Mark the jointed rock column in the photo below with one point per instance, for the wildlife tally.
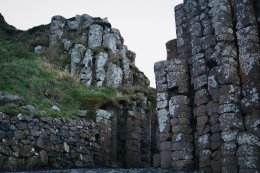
(247, 34)
(220, 41)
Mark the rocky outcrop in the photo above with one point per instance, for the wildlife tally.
(92, 51)
(5, 26)
(208, 89)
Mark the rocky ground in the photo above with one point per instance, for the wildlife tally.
(146, 170)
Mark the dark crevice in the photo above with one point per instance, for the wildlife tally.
(173, 92)
(211, 64)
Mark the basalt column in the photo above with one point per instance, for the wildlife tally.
(160, 69)
(182, 122)
(199, 79)
(219, 42)
(247, 33)
(227, 77)
(180, 114)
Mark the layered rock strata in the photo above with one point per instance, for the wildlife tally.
(208, 89)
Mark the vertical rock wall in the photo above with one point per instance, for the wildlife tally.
(208, 88)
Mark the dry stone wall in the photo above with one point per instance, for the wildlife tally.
(119, 137)
(208, 88)
(29, 142)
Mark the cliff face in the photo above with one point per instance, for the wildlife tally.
(208, 88)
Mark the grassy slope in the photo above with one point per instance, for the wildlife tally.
(24, 73)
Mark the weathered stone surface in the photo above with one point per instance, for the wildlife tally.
(101, 60)
(229, 136)
(74, 23)
(44, 157)
(180, 121)
(110, 41)
(182, 146)
(162, 119)
(181, 137)
(166, 159)
(181, 129)
(165, 146)
(171, 47)
(76, 53)
(204, 141)
(102, 115)
(114, 76)
(248, 139)
(56, 28)
(182, 155)
(219, 40)
(26, 151)
(229, 121)
(182, 164)
(9, 98)
(95, 36)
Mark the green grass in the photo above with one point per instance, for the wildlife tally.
(25, 74)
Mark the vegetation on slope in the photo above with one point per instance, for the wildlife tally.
(25, 74)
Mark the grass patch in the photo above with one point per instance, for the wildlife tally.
(41, 85)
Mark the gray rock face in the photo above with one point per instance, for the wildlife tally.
(114, 76)
(110, 41)
(214, 64)
(9, 98)
(74, 23)
(67, 44)
(86, 72)
(87, 38)
(56, 28)
(76, 53)
(127, 73)
(38, 49)
(95, 36)
(101, 60)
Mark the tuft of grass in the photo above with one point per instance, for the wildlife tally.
(11, 109)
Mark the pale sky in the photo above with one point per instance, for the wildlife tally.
(146, 25)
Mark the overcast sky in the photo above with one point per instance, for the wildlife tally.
(146, 25)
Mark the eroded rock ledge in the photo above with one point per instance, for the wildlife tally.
(208, 88)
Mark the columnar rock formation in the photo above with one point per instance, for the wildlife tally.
(97, 52)
(99, 58)
(208, 88)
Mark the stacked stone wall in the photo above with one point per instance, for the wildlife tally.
(29, 142)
